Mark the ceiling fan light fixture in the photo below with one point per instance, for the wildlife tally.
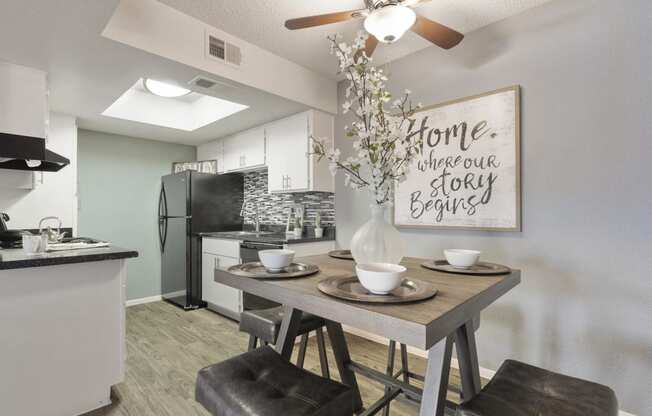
(389, 23)
(163, 89)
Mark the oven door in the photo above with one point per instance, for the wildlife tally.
(249, 253)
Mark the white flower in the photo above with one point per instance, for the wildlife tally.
(376, 131)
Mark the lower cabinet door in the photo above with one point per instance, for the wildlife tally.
(221, 298)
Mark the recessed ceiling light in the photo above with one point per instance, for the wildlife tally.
(163, 89)
(193, 111)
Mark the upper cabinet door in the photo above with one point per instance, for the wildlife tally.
(212, 151)
(245, 150)
(288, 154)
(253, 147)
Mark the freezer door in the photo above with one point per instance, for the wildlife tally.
(216, 201)
(175, 266)
(175, 195)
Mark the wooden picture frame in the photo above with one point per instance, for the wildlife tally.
(399, 214)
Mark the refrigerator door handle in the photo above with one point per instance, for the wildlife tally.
(162, 232)
(162, 203)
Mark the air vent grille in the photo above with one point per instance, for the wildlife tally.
(210, 84)
(223, 51)
(204, 83)
(216, 48)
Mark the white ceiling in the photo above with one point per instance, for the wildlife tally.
(87, 72)
(261, 22)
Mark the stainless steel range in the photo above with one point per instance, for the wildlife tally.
(249, 253)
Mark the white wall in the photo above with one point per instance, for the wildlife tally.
(56, 192)
(584, 306)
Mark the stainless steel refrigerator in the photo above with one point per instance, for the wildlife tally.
(192, 203)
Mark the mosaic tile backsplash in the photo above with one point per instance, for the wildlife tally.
(273, 208)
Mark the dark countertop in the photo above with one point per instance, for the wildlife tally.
(16, 258)
(274, 238)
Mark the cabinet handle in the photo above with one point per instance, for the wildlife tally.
(217, 262)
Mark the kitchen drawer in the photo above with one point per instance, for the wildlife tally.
(220, 298)
(221, 247)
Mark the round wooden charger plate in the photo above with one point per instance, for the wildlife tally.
(256, 270)
(341, 254)
(479, 269)
(349, 288)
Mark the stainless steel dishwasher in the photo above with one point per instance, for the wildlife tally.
(249, 253)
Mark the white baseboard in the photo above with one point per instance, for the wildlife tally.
(149, 299)
(484, 372)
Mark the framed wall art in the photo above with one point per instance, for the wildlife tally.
(468, 173)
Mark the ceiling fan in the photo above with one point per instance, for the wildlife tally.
(386, 21)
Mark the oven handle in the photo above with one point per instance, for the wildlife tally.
(257, 245)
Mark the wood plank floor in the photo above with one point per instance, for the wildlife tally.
(167, 346)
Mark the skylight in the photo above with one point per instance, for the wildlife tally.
(187, 112)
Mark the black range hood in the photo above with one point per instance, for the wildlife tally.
(16, 151)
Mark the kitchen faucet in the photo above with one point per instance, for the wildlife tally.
(256, 214)
(3, 221)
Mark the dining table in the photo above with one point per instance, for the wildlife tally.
(435, 325)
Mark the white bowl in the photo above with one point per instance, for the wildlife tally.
(462, 259)
(380, 278)
(276, 260)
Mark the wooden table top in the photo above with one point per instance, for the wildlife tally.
(460, 298)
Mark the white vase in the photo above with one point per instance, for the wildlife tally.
(377, 241)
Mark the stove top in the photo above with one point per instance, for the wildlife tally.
(9, 244)
(19, 244)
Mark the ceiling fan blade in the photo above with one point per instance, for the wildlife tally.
(369, 47)
(324, 19)
(440, 35)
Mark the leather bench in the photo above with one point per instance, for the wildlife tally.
(519, 389)
(261, 383)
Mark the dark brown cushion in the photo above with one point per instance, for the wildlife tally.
(265, 324)
(261, 383)
(520, 389)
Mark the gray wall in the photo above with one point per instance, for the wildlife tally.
(119, 182)
(584, 306)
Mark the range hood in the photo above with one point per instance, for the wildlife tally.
(28, 153)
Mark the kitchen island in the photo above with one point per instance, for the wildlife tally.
(62, 329)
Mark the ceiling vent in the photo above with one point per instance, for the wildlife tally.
(209, 83)
(219, 49)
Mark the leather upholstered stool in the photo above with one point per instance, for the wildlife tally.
(261, 383)
(520, 389)
(265, 324)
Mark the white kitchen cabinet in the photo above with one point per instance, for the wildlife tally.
(291, 166)
(220, 254)
(245, 150)
(212, 151)
(23, 100)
